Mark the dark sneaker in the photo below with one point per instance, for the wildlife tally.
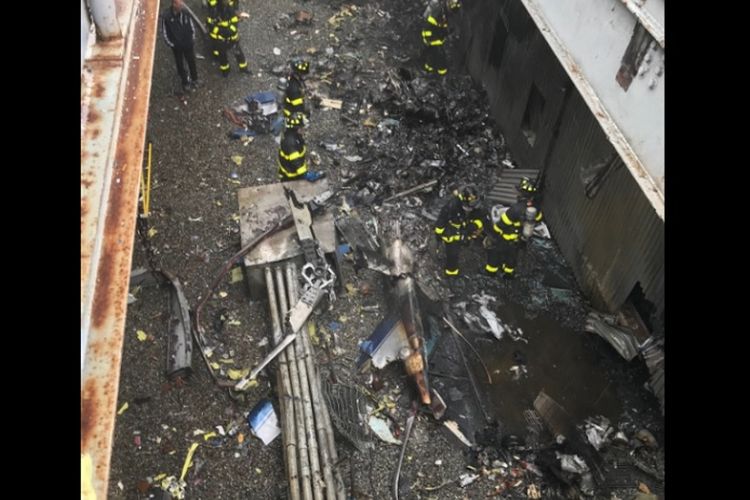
(508, 276)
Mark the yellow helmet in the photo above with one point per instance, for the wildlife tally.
(469, 196)
(301, 66)
(526, 187)
(295, 120)
(454, 4)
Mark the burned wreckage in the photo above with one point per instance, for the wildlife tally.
(290, 237)
(380, 377)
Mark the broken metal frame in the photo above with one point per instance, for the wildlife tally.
(179, 334)
(115, 91)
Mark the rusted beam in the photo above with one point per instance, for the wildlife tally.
(116, 83)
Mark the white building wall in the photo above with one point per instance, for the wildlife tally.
(595, 34)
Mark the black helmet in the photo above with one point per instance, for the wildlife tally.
(526, 187)
(468, 196)
(300, 66)
(295, 120)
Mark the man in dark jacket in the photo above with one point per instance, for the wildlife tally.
(179, 34)
(460, 220)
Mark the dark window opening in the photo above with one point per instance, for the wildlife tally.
(634, 55)
(638, 310)
(532, 117)
(497, 49)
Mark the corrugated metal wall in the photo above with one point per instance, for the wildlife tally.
(613, 240)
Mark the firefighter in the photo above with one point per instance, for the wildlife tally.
(503, 246)
(292, 158)
(461, 219)
(222, 27)
(434, 32)
(294, 97)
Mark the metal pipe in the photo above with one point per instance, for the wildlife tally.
(104, 14)
(334, 483)
(409, 425)
(312, 442)
(284, 389)
(299, 419)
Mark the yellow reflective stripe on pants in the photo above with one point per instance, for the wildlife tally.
(451, 272)
(289, 175)
(491, 269)
(439, 230)
(293, 156)
(294, 102)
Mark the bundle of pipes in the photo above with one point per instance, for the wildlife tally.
(309, 448)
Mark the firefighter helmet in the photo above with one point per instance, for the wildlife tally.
(468, 196)
(295, 120)
(300, 66)
(526, 187)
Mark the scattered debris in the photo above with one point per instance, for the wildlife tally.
(467, 479)
(264, 422)
(598, 431)
(453, 427)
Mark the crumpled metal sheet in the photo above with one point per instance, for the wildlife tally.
(619, 337)
(653, 354)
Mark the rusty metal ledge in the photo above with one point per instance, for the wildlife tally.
(115, 88)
